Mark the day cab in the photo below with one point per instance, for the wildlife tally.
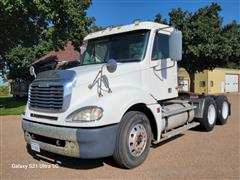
(121, 98)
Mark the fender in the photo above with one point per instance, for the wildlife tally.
(116, 104)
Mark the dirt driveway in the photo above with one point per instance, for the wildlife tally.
(192, 155)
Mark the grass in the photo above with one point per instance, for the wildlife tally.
(11, 106)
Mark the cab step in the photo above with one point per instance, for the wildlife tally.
(177, 131)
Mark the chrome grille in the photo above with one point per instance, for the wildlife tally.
(46, 97)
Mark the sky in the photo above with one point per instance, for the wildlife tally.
(2, 82)
(120, 12)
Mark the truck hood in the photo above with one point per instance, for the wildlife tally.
(87, 73)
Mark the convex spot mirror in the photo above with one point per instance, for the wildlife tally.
(111, 65)
(175, 45)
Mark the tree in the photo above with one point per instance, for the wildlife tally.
(17, 25)
(15, 63)
(159, 19)
(94, 27)
(204, 46)
(231, 32)
(19, 59)
(23, 23)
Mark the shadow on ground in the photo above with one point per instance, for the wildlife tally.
(77, 163)
(69, 162)
(200, 129)
(166, 141)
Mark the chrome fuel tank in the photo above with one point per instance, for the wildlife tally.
(176, 119)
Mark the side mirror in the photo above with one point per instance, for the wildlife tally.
(32, 71)
(175, 45)
(111, 65)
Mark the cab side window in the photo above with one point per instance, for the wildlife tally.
(160, 47)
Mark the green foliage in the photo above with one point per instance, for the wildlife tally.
(231, 32)
(159, 19)
(4, 90)
(68, 18)
(31, 28)
(95, 28)
(19, 59)
(17, 25)
(22, 22)
(11, 106)
(231, 65)
(206, 44)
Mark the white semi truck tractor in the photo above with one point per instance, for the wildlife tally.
(120, 100)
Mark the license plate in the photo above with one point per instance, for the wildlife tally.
(35, 147)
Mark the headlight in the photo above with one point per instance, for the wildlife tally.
(86, 114)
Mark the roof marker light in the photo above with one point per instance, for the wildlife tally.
(109, 28)
(136, 22)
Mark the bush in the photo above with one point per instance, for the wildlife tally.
(4, 90)
(11, 106)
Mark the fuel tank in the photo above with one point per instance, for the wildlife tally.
(175, 119)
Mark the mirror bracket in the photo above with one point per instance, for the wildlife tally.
(111, 66)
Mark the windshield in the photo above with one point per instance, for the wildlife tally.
(124, 47)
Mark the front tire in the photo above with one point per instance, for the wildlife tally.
(133, 140)
(208, 121)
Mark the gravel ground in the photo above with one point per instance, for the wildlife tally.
(191, 155)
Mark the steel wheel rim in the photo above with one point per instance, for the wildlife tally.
(225, 110)
(137, 140)
(211, 114)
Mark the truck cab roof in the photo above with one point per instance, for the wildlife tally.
(137, 25)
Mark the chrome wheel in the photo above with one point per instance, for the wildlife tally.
(211, 114)
(137, 140)
(225, 110)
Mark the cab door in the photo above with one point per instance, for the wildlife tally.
(162, 72)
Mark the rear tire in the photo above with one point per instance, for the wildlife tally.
(208, 121)
(133, 140)
(223, 109)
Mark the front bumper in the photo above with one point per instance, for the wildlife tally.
(74, 142)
